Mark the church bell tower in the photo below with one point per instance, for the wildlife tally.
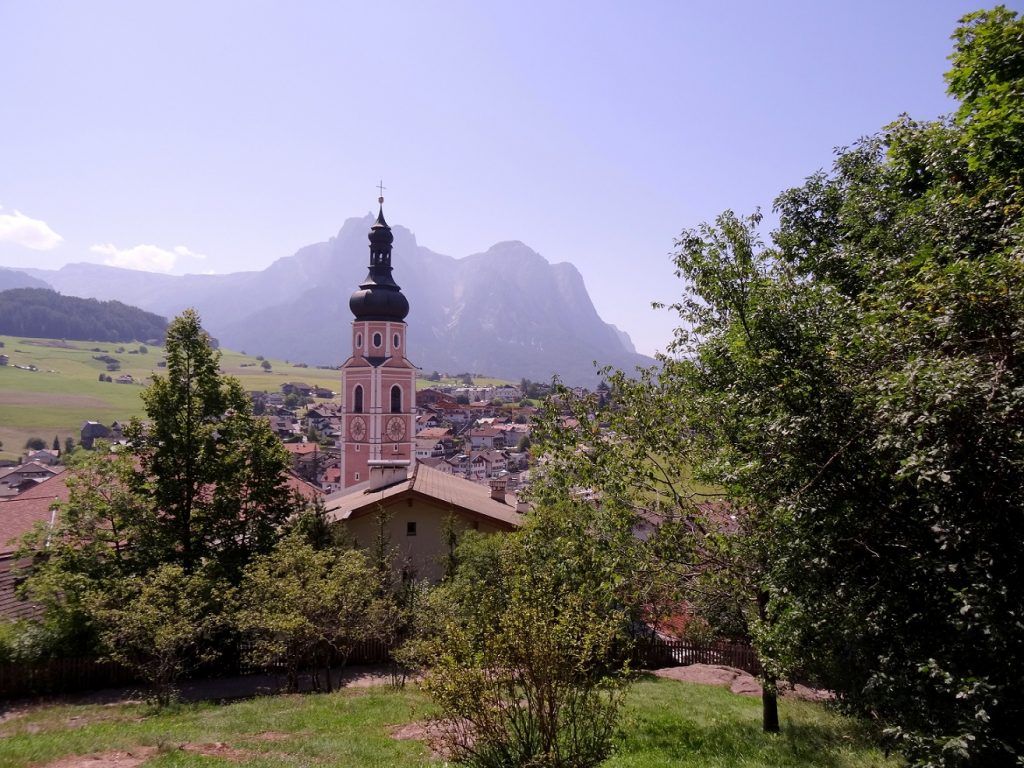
(378, 382)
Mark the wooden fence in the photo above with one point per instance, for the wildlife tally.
(72, 675)
(61, 676)
(658, 652)
(53, 676)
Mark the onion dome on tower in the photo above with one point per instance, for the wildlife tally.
(379, 297)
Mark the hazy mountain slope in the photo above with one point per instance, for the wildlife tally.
(13, 278)
(506, 312)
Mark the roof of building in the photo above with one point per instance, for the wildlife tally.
(425, 482)
(490, 456)
(435, 432)
(302, 487)
(304, 448)
(30, 467)
(19, 515)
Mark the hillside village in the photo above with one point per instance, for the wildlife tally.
(479, 433)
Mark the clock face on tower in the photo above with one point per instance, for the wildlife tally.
(357, 429)
(395, 428)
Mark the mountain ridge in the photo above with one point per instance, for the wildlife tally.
(506, 311)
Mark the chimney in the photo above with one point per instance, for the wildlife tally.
(498, 485)
(387, 473)
(522, 506)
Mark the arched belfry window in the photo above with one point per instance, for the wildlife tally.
(357, 399)
(396, 399)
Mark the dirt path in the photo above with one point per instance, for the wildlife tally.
(736, 680)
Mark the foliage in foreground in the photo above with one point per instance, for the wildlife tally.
(524, 664)
(159, 624)
(856, 387)
(300, 606)
(170, 520)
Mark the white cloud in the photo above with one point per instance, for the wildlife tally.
(148, 258)
(181, 250)
(32, 233)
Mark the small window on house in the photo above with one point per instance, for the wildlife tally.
(396, 449)
(359, 340)
(357, 474)
(397, 341)
(396, 399)
(410, 528)
(357, 447)
(377, 339)
(357, 400)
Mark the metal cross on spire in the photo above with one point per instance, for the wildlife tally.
(381, 187)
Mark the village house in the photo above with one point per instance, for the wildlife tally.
(441, 464)
(427, 448)
(36, 506)
(442, 435)
(418, 502)
(323, 418)
(92, 431)
(507, 393)
(486, 438)
(434, 396)
(284, 427)
(47, 456)
(426, 418)
(297, 388)
(487, 464)
(457, 415)
(14, 481)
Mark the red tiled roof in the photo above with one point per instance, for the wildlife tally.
(305, 489)
(19, 515)
(303, 448)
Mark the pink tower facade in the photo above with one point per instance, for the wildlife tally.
(378, 382)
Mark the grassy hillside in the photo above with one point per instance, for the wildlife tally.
(65, 390)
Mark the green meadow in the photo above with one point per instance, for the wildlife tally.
(65, 390)
(665, 723)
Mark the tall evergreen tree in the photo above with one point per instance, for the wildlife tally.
(213, 470)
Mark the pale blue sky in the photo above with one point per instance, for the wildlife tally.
(592, 131)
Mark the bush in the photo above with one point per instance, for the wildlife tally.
(155, 624)
(524, 666)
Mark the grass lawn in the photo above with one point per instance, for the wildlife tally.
(666, 723)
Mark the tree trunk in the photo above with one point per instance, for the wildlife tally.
(769, 707)
(769, 685)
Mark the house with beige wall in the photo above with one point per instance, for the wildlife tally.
(418, 501)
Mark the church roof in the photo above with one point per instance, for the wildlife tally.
(455, 492)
